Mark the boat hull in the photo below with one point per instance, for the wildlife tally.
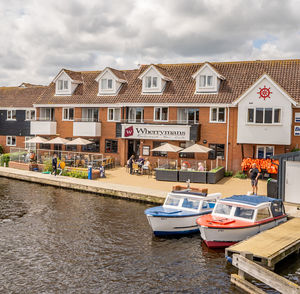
(216, 237)
(162, 226)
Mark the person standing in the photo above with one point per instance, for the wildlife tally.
(130, 163)
(54, 164)
(254, 174)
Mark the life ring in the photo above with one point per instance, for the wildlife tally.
(187, 164)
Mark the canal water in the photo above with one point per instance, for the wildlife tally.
(61, 241)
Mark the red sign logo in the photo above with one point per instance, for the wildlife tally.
(128, 131)
(264, 92)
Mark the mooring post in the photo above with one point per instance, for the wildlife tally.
(249, 256)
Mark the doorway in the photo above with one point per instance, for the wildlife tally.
(292, 185)
(133, 148)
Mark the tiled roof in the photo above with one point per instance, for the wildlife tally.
(20, 96)
(74, 75)
(118, 73)
(239, 77)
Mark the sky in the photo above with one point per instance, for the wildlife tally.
(39, 37)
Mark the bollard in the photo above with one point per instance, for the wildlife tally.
(90, 172)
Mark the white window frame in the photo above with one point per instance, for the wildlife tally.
(29, 146)
(217, 121)
(134, 112)
(206, 86)
(160, 116)
(62, 85)
(104, 84)
(9, 138)
(113, 109)
(265, 148)
(186, 113)
(68, 111)
(9, 117)
(263, 123)
(28, 117)
(151, 82)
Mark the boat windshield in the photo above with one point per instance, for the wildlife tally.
(222, 208)
(172, 201)
(191, 203)
(244, 212)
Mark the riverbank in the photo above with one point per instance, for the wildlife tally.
(121, 184)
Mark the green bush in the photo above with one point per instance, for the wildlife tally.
(216, 169)
(5, 158)
(228, 173)
(75, 174)
(1, 149)
(240, 175)
(48, 166)
(295, 149)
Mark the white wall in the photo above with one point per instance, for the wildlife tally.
(70, 90)
(43, 127)
(115, 85)
(86, 129)
(160, 84)
(208, 72)
(264, 134)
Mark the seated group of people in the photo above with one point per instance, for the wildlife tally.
(185, 166)
(143, 164)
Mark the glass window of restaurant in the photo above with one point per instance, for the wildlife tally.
(217, 150)
(111, 146)
(158, 153)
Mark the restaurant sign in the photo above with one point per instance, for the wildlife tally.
(297, 131)
(156, 132)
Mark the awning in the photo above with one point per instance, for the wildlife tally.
(196, 148)
(38, 140)
(79, 141)
(58, 140)
(167, 148)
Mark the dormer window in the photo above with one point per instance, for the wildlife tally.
(106, 84)
(205, 81)
(62, 85)
(151, 82)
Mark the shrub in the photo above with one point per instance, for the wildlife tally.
(48, 166)
(295, 149)
(1, 149)
(228, 173)
(5, 158)
(240, 175)
(216, 169)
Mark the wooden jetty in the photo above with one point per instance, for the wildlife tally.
(271, 246)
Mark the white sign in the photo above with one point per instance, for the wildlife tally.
(297, 131)
(297, 117)
(156, 132)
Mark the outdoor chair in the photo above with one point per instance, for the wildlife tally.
(135, 168)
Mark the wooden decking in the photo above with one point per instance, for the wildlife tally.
(271, 246)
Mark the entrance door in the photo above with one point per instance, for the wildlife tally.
(292, 183)
(133, 148)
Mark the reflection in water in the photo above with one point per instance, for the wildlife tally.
(61, 241)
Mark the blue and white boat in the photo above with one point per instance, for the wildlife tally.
(179, 212)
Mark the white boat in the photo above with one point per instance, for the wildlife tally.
(239, 217)
(179, 212)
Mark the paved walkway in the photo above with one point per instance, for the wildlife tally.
(103, 188)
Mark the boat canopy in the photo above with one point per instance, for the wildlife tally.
(250, 200)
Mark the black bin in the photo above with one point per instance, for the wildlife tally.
(272, 188)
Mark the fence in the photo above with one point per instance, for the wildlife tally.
(71, 158)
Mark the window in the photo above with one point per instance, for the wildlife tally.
(244, 212)
(223, 208)
(95, 147)
(68, 113)
(114, 114)
(30, 115)
(217, 114)
(185, 155)
(191, 203)
(263, 213)
(47, 114)
(217, 150)
(172, 201)
(10, 140)
(135, 114)
(158, 153)
(111, 146)
(205, 81)
(29, 146)
(11, 114)
(150, 82)
(264, 115)
(62, 85)
(188, 115)
(161, 113)
(265, 151)
(106, 84)
(90, 114)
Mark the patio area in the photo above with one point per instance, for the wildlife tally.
(227, 186)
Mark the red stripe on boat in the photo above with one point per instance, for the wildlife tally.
(216, 244)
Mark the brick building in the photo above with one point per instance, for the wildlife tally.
(239, 109)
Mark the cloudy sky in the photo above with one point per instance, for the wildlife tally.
(38, 38)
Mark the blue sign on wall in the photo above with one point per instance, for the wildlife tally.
(297, 117)
(297, 131)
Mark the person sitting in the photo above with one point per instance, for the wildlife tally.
(146, 165)
(184, 166)
(200, 166)
(140, 161)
